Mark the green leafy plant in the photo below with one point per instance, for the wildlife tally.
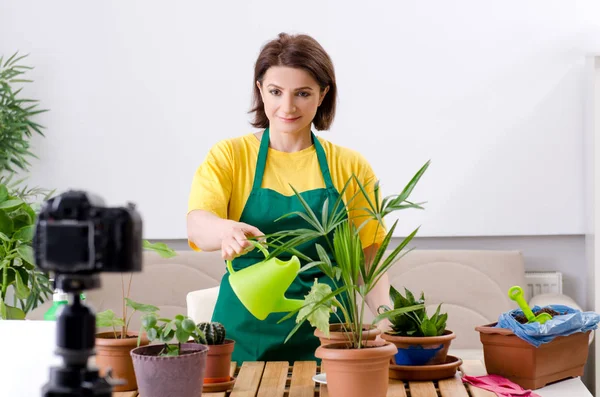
(31, 287)
(415, 323)
(108, 318)
(165, 330)
(353, 275)
(16, 113)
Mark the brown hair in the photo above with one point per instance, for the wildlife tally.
(302, 52)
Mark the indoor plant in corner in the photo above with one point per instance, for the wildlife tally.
(113, 347)
(353, 277)
(170, 369)
(19, 276)
(420, 339)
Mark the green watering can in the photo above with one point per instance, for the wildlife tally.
(261, 287)
(516, 293)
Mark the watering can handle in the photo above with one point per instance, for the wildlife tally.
(256, 245)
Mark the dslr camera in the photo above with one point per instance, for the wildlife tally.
(76, 238)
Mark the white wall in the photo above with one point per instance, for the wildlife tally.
(492, 93)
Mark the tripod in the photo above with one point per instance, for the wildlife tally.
(75, 340)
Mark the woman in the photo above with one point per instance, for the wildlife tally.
(243, 186)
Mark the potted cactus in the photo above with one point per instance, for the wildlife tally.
(218, 360)
(420, 339)
(170, 369)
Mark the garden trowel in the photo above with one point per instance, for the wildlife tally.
(516, 293)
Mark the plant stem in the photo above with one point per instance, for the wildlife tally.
(123, 329)
(128, 292)
(128, 320)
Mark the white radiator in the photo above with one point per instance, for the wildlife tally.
(542, 283)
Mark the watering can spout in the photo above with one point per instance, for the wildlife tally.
(289, 305)
(261, 287)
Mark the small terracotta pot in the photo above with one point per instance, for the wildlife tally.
(114, 353)
(421, 350)
(180, 376)
(338, 335)
(218, 362)
(531, 367)
(357, 372)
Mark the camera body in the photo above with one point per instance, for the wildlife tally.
(76, 234)
(76, 238)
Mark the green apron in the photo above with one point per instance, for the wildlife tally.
(258, 340)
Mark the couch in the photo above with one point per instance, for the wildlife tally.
(471, 284)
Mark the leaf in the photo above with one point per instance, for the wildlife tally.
(152, 334)
(108, 318)
(319, 317)
(10, 205)
(140, 307)
(396, 312)
(3, 193)
(6, 223)
(13, 313)
(409, 296)
(441, 323)
(161, 249)
(413, 182)
(182, 335)
(25, 234)
(428, 328)
(25, 252)
(395, 297)
(21, 220)
(434, 318)
(172, 351)
(188, 325)
(21, 290)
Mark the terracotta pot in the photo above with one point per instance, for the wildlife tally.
(218, 362)
(114, 353)
(421, 350)
(338, 335)
(180, 376)
(357, 372)
(531, 367)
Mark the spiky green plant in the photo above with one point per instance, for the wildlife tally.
(16, 116)
(352, 275)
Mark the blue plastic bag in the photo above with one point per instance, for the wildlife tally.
(565, 324)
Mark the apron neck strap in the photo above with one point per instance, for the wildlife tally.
(262, 161)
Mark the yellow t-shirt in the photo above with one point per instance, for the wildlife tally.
(223, 182)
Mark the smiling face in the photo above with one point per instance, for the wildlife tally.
(291, 97)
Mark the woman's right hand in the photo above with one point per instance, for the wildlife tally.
(234, 240)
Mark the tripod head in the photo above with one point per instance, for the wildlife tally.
(76, 238)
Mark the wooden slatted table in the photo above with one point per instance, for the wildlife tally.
(278, 379)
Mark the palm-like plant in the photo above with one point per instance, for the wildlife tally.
(353, 275)
(16, 124)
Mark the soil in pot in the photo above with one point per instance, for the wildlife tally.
(357, 372)
(218, 362)
(522, 319)
(426, 350)
(160, 376)
(114, 353)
